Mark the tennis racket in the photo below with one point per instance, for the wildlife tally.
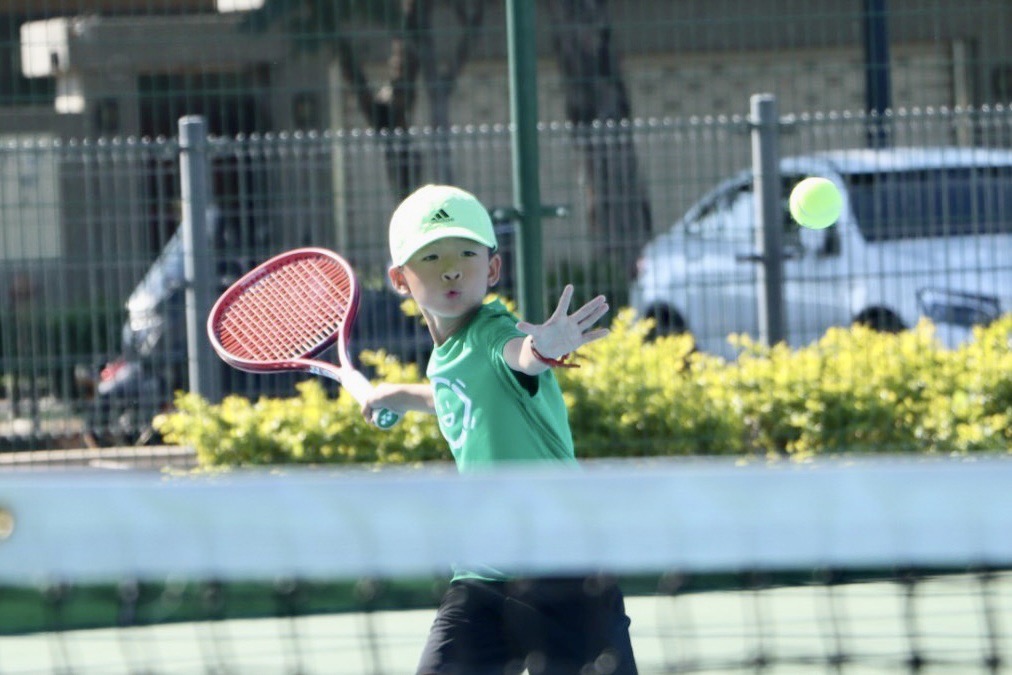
(288, 310)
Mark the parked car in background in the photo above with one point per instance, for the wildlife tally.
(924, 232)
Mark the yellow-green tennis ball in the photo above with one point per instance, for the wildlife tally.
(816, 203)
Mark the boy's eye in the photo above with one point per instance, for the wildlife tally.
(468, 254)
(429, 258)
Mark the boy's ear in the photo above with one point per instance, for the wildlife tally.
(494, 269)
(397, 280)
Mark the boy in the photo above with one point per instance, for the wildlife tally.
(497, 402)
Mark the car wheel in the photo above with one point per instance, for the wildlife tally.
(667, 321)
(880, 319)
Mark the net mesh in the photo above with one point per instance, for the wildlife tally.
(881, 566)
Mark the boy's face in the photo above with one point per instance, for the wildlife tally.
(449, 277)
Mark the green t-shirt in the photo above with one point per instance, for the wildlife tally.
(489, 414)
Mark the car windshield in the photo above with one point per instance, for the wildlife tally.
(924, 203)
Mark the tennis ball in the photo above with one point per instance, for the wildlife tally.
(816, 203)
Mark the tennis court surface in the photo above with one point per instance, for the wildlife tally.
(838, 566)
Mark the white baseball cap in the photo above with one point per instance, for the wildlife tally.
(435, 212)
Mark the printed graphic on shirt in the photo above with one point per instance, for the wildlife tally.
(453, 408)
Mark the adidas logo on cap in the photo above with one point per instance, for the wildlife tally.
(440, 216)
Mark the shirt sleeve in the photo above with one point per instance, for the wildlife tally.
(497, 331)
(497, 328)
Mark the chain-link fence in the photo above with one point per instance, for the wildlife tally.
(322, 114)
(93, 332)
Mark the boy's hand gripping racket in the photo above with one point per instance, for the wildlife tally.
(288, 310)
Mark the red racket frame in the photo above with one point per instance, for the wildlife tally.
(314, 276)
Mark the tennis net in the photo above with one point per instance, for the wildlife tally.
(845, 566)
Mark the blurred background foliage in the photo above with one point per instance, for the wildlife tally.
(855, 390)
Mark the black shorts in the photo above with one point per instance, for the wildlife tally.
(549, 626)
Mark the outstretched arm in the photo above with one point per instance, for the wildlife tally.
(561, 334)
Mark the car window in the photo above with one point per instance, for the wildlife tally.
(739, 223)
(739, 217)
(728, 218)
(703, 216)
(792, 231)
(943, 202)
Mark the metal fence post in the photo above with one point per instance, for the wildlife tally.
(198, 260)
(877, 72)
(520, 24)
(765, 125)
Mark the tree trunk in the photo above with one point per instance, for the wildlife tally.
(388, 109)
(597, 103)
(441, 82)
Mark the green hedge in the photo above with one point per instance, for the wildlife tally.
(854, 390)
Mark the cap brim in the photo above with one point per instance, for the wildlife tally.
(443, 233)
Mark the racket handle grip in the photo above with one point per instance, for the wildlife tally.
(384, 418)
(360, 388)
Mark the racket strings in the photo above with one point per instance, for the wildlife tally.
(289, 312)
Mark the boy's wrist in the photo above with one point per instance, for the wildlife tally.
(552, 362)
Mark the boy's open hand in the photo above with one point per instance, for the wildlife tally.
(563, 333)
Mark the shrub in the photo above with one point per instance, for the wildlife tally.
(632, 396)
(854, 390)
(311, 428)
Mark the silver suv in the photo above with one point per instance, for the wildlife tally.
(924, 232)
